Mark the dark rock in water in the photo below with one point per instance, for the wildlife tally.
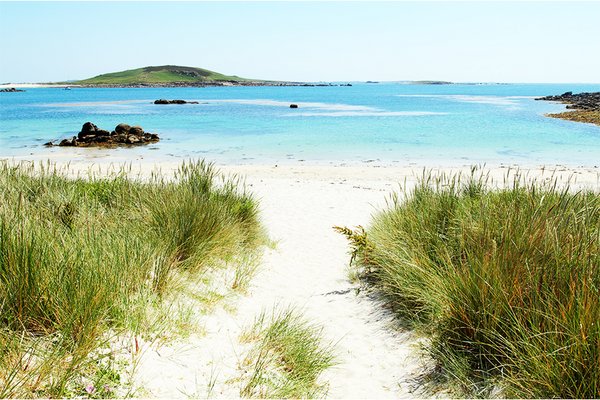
(11, 90)
(165, 101)
(49, 144)
(136, 130)
(69, 142)
(293, 105)
(123, 134)
(122, 128)
(88, 127)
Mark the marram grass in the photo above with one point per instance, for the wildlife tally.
(506, 281)
(287, 358)
(80, 258)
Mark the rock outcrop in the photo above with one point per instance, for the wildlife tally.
(164, 101)
(585, 107)
(580, 101)
(123, 135)
(11, 90)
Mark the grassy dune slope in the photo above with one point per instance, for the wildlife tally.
(507, 282)
(160, 74)
(83, 260)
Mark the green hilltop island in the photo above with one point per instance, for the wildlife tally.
(178, 76)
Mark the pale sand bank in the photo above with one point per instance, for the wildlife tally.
(308, 269)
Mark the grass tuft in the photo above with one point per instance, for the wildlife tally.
(288, 358)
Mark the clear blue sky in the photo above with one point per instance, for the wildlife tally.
(335, 41)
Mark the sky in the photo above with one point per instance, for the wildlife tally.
(306, 41)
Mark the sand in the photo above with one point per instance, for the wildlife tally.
(308, 269)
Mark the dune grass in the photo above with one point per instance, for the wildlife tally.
(84, 259)
(506, 281)
(287, 358)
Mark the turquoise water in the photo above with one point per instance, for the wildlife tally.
(365, 123)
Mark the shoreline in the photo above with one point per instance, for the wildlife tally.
(389, 175)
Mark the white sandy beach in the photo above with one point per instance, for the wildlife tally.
(308, 269)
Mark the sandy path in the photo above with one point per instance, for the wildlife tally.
(308, 270)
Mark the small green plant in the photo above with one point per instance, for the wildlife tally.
(506, 281)
(288, 357)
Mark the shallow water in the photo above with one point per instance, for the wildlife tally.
(365, 123)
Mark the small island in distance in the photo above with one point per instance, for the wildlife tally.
(179, 76)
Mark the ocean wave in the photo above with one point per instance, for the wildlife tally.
(309, 105)
(97, 103)
(479, 99)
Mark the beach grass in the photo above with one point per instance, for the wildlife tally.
(287, 358)
(504, 277)
(84, 259)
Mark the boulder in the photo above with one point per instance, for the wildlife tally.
(122, 128)
(69, 142)
(136, 130)
(88, 127)
(293, 105)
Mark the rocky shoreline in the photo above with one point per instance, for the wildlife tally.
(585, 107)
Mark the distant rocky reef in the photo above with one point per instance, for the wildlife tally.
(165, 101)
(11, 90)
(122, 135)
(585, 107)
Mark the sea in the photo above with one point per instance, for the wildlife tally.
(366, 123)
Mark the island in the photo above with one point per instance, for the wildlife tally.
(585, 107)
(178, 76)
